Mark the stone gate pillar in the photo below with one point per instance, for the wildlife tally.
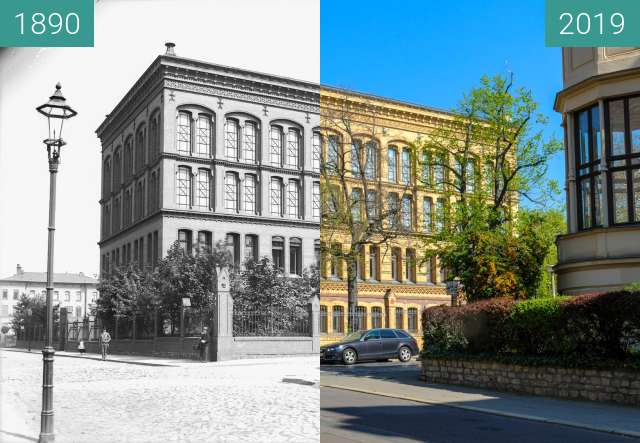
(221, 346)
(314, 315)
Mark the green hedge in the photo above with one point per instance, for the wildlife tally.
(604, 326)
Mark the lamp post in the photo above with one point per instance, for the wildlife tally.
(57, 111)
(452, 289)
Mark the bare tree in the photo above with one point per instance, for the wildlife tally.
(354, 209)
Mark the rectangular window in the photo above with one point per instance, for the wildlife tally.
(249, 153)
(250, 247)
(412, 319)
(231, 191)
(376, 317)
(588, 147)
(360, 322)
(204, 240)
(231, 139)
(356, 158)
(277, 252)
(392, 164)
(315, 154)
(293, 199)
(374, 259)
(425, 173)
(204, 136)
(183, 187)
(67, 296)
(78, 296)
(324, 324)
(276, 197)
(371, 161)
(203, 196)
(276, 146)
(16, 294)
(440, 214)
(56, 295)
(438, 174)
(427, 219)
(399, 318)
(338, 319)
(396, 264)
(428, 270)
(183, 139)
(406, 166)
(410, 266)
(371, 205)
(356, 204)
(295, 256)
(293, 148)
(250, 194)
(315, 201)
(393, 213)
(406, 213)
(184, 240)
(333, 160)
(233, 246)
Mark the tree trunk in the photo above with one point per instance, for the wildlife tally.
(352, 293)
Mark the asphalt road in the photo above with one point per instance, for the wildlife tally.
(348, 416)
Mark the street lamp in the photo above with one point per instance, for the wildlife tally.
(57, 111)
(452, 289)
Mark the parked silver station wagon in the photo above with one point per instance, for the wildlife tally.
(374, 344)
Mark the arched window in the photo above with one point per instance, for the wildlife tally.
(183, 187)
(276, 196)
(203, 193)
(154, 137)
(128, 158)
(356, 204)
(151, 198)
(316, 149)
(396, 264)
(410, 269)
(204, 135)
(183, 133)
(356, 157)
(106, 178)
(333, 158)
(140, 149)
(249, 193)
(231, 191)
(231, 139)
(117, 168)
(406, 166)
(407, 213)
(116, 215)
(249, 145)
(128, 201)
(275, 135)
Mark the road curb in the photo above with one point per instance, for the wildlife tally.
(57, 354)
(489, 411)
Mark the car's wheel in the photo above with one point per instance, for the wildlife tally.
(404, 354)
(349, 356)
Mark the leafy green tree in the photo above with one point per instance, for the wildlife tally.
(492, 156)
(38, 307)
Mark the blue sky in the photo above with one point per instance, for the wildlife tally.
(430, 52)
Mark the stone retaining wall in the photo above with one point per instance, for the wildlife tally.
(576, 384)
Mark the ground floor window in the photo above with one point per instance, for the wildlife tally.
(338, 319)
(376, 317)
(412, 319)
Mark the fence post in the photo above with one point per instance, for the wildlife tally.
(314, 315)
(155, 329)
(221, 347)
(133, 325)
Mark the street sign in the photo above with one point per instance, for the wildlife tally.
(186, 302)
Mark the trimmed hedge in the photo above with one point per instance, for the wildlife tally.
(603, 326)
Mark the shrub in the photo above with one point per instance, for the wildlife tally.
(591, 326)
(532, 327)
(442, 328)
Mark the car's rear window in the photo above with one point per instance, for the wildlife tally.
(387, 333)
(401, 334)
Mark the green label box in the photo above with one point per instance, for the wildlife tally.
(46, 23)
(592, 23)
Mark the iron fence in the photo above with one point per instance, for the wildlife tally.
(272, 323)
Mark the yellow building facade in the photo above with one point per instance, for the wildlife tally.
(395, 281)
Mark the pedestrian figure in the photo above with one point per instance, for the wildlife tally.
(81, 348)
(105, 338)
(203, 344)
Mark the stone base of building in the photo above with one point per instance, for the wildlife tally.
(576, 384)
(599, 260)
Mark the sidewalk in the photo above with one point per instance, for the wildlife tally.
(593, 416)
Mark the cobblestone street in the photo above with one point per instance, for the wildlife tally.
(95, 401)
